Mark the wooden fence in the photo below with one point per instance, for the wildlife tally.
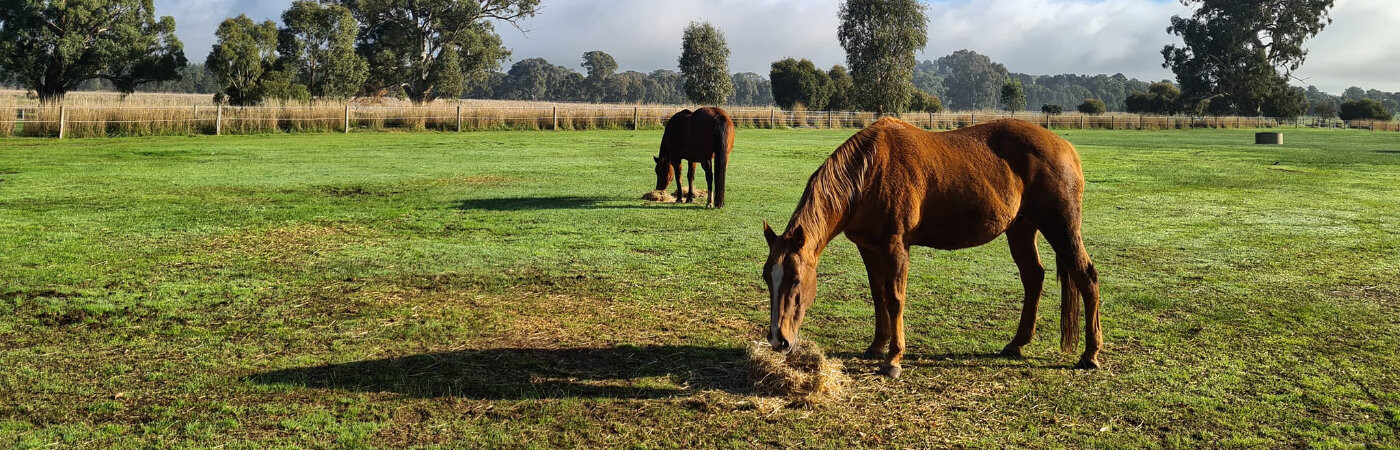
(100, 121)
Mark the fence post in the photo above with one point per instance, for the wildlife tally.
(1081, 121)
(219, 121)
(347, 118)
(1140, 121)
(635, 117)
(1047, 121)
(974, 118)
(459, 118)
(771, 124)
(555, 115)
(62, 121)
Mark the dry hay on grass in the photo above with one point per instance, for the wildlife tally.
(664, 196)
(804, 375)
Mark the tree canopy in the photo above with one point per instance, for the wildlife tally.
(1239, 54)
(704, 62)
(52, 46)
(430, 49)
(973, 81)
(880, 38)
(318, 44)
(1013, 97)
(799, 83)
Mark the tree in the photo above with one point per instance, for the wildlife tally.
(317, 43)
(704, 63)
(665, 86)
(1326, 110)
(1092, 106)
(243, 60)
(1053, 110)
(1013, 98)
(842, 87)
(52, 46)
(880, 38)
(1239, 54)
(799, 83)
(751, 89)
(1363, 109)
(921, 101)
(430, 49)
(972, 80)
(600, 67)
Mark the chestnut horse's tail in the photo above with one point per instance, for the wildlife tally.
(1069, 311)
(721, 158)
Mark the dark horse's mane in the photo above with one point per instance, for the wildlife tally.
(836, 185)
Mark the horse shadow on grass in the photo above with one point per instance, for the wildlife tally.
(541, 203)
(532, 373)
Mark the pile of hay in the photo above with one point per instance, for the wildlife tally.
(663, 196)
(805, 374)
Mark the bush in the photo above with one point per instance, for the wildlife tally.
(1092, 106)
(1052, 109)
(922, 101)
(1363, 109)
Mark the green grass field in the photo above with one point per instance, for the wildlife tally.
(510, 289)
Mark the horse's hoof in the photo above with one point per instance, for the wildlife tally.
(891, 371)
(1012, 352)
(873, 353)
(1087, 364)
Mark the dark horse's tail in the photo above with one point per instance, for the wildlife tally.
(721, 158)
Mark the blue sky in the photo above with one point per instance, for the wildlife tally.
(1361, 47)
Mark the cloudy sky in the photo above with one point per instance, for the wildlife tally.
(1360, 48)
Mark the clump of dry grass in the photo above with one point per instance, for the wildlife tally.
(658, 196)
(805, 374)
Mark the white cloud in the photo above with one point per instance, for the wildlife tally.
(1361, 47)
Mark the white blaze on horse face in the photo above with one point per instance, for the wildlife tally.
(775, 278)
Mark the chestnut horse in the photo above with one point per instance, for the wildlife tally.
(893, 185)
(698, 137)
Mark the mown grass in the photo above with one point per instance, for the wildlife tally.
(510, 289)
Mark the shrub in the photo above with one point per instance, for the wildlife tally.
(921, 101)
(1363, 109)
(1092, 106)
(1052, 109)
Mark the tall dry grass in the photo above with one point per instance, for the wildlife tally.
(99, 114)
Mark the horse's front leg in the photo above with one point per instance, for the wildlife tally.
(879, 291)
(690, 178)
(709, 184)
(680, 187)
(897, 261)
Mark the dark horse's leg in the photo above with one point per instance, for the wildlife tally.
(1078, 278)
(1021, 236)
(690, 177)
(709, 184)
(680, 188)
(878, 294)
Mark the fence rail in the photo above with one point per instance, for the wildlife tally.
(99, 121)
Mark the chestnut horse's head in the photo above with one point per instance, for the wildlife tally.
(791, 275)
(663, 173)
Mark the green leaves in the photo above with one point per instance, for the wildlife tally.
(52, 46)
(1239, 54)
(704, 63)
(880, 38)
(430, 49)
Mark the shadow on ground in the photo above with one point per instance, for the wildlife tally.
(526, 373)
(537, 203)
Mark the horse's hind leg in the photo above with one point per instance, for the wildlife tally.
(709, 184)
(1078, 277)
(878, 293)
(1021, 237)
(690, 177)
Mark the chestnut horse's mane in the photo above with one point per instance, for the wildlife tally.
(836, 185)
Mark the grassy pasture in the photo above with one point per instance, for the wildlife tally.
(509, 289)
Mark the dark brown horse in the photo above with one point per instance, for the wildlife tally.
(700, 136)
(893, 185)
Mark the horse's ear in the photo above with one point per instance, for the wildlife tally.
(768, 233)
(657, 159)
(799, 236)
